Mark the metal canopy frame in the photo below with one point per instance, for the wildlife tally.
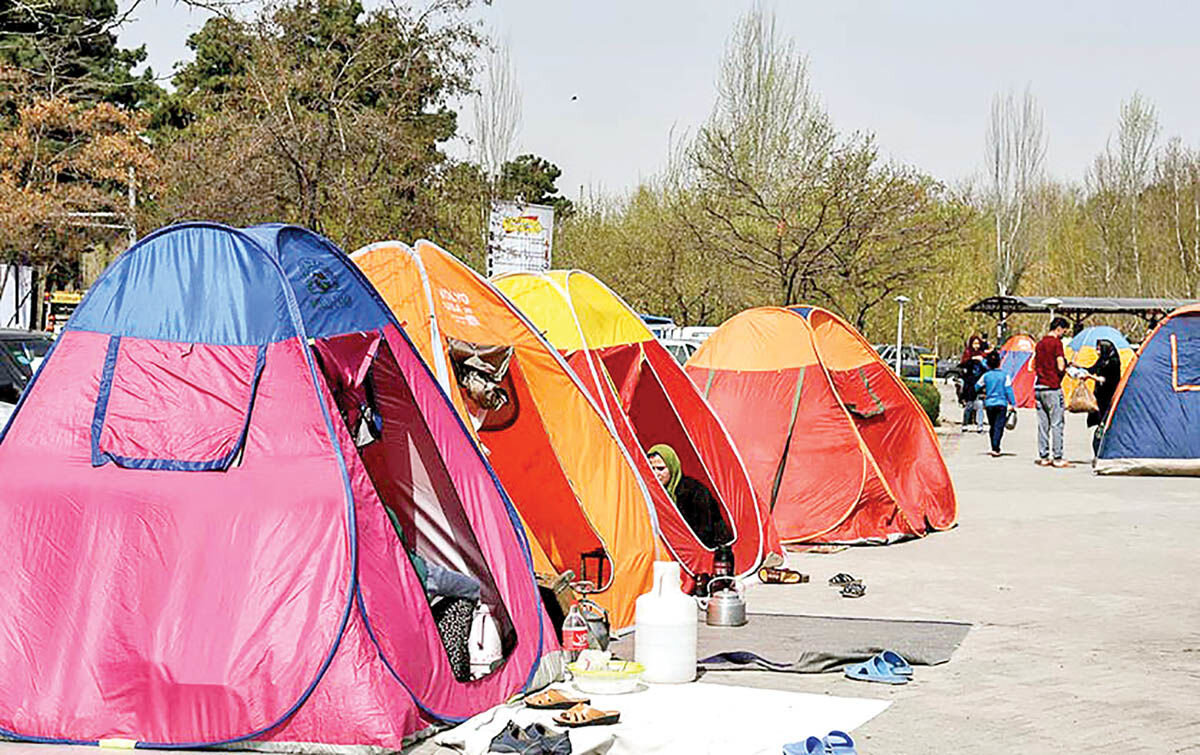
(1077, 308)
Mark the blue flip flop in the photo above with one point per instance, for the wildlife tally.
(810, 746)
(839, 743)
(874, 670)
(899, 666)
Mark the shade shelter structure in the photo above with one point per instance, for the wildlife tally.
(219, 480)
(649, 400)
(1076, 308)
(1154, 424)
(837, 447)
(1016, 359)
(1081, 350)
(577, 489)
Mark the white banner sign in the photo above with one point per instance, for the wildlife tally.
(16, 296)
(520, 238)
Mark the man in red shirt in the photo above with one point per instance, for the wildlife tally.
(1050, 364)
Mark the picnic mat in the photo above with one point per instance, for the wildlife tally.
(663, 718)
(804, 644)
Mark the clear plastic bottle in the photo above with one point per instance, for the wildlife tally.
(574, 633)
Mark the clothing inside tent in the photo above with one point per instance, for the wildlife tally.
(1154, 424)
(649, 400)
(838, 449)
(1016, 359)
(227, 571)
(578, 490)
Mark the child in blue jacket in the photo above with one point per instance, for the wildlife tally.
(999, 400)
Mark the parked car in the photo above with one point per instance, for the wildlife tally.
(680, 348)
(659, 325)
(910, 362)
(696, 333)
(21, 351)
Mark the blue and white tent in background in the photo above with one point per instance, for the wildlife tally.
(1154, 425)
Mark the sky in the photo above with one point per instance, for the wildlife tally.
(919, 75)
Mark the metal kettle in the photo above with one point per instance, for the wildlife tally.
(726, 607)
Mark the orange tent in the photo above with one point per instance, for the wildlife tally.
(837, 447)
(649, 400)
(574, 484)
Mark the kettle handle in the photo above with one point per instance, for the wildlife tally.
(738, 587)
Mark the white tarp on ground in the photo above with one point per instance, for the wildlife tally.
(693, 718)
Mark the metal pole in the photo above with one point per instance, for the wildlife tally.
(900, 334)
(132, 208)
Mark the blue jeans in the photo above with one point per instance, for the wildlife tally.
(997, 416)
(1050, 414)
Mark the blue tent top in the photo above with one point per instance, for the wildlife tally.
(1089, 337)
(211, 283)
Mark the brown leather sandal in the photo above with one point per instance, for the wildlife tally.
(552, 699)
(772, 575)
(584, 715)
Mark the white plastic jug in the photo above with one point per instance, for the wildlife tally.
(483, 646)
(665, 642)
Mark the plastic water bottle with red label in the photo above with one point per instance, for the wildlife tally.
(575, 633)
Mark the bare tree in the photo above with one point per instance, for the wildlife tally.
(1016, 147)
(497, 106)
(1175, 172)
(1137, 132)
(760, 164)
(1105, 203)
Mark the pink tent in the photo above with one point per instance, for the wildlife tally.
(196, 495)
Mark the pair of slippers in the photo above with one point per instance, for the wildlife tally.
(851, 586)
(777, 575)
(834, 743)
(534, 739)
(888, 667)
(576, 711)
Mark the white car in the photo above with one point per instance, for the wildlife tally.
(680, 348)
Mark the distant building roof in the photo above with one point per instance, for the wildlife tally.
(1078, 307)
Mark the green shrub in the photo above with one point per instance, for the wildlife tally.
(928, 396)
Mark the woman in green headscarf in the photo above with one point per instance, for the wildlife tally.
(697, 505)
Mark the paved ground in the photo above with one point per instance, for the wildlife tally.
(1083, 594)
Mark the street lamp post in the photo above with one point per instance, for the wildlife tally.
(901, 300)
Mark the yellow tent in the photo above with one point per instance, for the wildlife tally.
(650, 400)
(1082, 351)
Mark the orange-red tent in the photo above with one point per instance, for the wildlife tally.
(649, 400)
(573, 482)
(837, 447)
(1016, 359)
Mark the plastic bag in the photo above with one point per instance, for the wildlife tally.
(1011, 422)
(1082, 400)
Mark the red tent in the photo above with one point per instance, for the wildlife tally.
(835, 445)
